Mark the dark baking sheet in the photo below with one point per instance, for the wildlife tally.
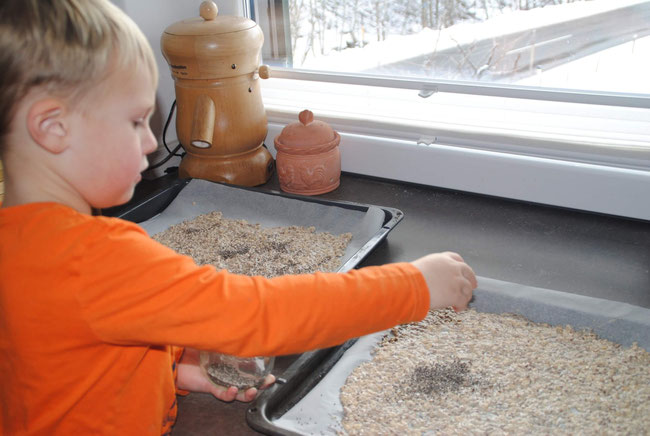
(298, 380)
(150, 205)
(308, 369)
(618, 322)
(282, 411)
(372, 222)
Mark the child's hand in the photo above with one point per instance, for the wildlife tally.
(191, 378)
(450, 280)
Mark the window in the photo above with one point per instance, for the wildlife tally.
(549, 43)
(538, 100)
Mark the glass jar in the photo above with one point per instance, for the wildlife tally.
(241, 372)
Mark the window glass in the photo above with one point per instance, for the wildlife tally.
(537, 100)
(596, 45)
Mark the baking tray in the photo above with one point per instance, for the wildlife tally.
(312, 404)
(298, 380)
(381, 219)
(309, 368)
(303, 406)
(150, 205)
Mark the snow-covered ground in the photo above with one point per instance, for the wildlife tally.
(625, 68)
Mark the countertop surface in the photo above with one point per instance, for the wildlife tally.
(546, 247)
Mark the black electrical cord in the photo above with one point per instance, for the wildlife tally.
(171, 153)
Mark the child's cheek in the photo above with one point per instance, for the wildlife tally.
(128, 168)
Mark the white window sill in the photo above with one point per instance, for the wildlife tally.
(571, 155)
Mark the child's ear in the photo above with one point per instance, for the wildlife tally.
(47, 124)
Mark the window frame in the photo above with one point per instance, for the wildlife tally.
(605, 186)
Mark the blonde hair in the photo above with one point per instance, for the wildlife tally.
(64, 47)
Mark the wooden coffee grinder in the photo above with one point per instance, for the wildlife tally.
(221, 122)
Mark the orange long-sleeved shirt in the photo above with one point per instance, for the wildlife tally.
(92, 311)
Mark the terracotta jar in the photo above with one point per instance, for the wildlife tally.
(221, 122)
(308, 158)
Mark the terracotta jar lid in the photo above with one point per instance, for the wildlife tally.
(308, 136)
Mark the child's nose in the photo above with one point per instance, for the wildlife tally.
(149, 142)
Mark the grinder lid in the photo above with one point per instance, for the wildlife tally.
(209, 23)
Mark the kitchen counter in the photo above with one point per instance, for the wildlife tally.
(545, 247)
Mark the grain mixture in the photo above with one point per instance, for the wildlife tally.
(244, 248)
(480, 373)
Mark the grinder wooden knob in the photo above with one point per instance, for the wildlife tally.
(208, 10)
(264, 71)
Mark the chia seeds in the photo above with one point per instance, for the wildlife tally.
(439, 378)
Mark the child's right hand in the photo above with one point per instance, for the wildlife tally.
(191, 378)
(450, 280)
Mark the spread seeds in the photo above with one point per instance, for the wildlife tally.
(497, 374)
(244, 248)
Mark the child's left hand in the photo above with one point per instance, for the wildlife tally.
(191, 378)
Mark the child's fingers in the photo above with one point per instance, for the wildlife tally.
(251, 394)
(247, 396)
(467, 285)
(232, 393)
(469, 274)
(227, 395)
(466, 270)
(268, 381)
(459, 307)
(454, 256)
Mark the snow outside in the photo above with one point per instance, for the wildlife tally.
(581, 44)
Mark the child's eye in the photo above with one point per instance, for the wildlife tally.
(138, 123)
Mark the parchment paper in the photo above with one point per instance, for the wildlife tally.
(200, 197)
(320, 411)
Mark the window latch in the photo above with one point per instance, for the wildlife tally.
(427, 140)
(428, 92)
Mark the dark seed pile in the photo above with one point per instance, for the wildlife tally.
(439, 378)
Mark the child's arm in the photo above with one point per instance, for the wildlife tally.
(136, 291)
(191, 378)
(450, 281)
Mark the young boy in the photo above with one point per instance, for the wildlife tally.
(94, 314)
